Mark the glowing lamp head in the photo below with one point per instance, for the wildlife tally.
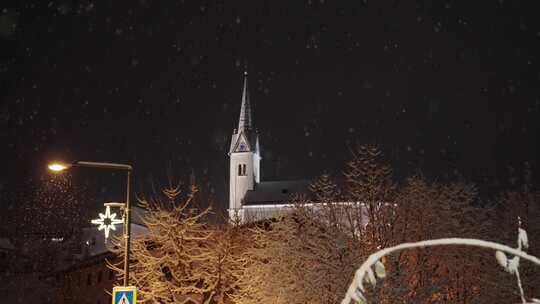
(58, 167)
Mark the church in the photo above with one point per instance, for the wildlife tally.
(251, 199)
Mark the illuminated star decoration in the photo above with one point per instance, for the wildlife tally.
(107, 221)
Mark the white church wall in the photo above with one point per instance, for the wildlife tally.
(240, 182)
(342, 210)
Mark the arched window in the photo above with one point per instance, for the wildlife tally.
(242, 170)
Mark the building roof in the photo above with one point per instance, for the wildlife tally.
(245, 112)
(276, 192)
(137, 215)
(246, 132)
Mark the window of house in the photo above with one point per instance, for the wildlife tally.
(99, 276)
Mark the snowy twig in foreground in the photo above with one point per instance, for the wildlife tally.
(356, 289)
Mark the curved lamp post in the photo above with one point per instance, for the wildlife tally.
(59, 167)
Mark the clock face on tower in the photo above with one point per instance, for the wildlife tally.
(242, 147)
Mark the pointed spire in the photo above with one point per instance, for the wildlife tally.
(245, 111)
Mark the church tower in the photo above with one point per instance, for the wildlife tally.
(244, 157)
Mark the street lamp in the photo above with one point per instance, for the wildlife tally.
(59, 167)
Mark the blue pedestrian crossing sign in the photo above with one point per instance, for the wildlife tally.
(124, 295)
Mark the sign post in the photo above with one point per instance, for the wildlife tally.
(124, 295)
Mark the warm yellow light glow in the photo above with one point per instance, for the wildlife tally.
(57, 167)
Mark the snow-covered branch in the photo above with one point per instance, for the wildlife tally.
(356, 289)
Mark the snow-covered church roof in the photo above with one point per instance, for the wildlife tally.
(276, 192)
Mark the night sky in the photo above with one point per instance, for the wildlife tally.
(448, 88)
